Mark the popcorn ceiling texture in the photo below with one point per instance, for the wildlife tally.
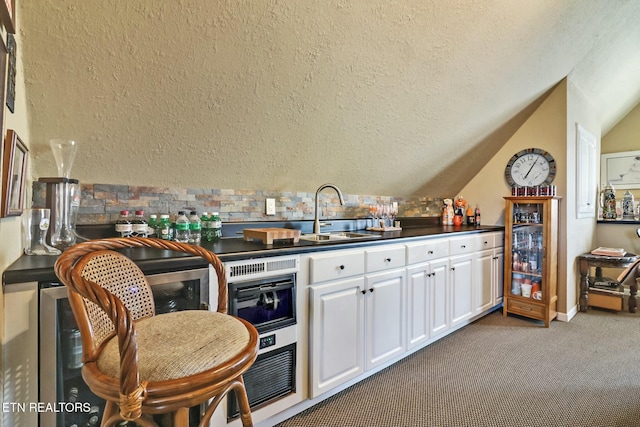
(376, 96)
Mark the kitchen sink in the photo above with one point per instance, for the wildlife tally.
(338, 235)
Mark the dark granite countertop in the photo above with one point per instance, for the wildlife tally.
(152, 261)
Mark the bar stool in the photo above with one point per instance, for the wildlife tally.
(145, 364)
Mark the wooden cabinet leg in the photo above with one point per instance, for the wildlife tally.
(633, 297)
(584, 285)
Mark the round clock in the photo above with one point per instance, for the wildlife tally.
(530, 167)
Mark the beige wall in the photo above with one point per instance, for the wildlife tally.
(10, 228)
(577, 234)
(625, 136)
(551, 127)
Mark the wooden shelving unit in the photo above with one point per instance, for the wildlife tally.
(531, 257)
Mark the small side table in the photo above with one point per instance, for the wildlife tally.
(585, 261)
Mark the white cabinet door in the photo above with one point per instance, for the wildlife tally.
(337, 333)
(484, 297)
(461, 288)
(498, 276)
(418, 304)
(438, 278)
(385, 316)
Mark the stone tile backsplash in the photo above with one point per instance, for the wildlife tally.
(102, 203)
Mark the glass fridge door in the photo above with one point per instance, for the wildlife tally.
(60, 378)
(527, 250)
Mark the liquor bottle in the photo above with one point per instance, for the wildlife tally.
(216, 226)
(204, 231)
(477, 215)
(139, 225)
(195, 228)
(123, 225)
(153, 225)
(471, 217)
(182, 228)
(164, 228)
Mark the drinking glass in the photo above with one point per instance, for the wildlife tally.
(64, 152)
(35, 223)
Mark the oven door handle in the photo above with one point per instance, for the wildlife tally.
(243, 292)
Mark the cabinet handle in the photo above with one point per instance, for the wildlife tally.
(364, 291)
(463, 246)
(430, 252)
(453, 268)
(388, 259)
(342, 267)
(371, 289)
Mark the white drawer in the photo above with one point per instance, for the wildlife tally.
(486, 241)
(463, 245)
(426, 251)
(490, 241)
(384, 258)
(333, 265)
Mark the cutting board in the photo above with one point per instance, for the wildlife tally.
(268, 235)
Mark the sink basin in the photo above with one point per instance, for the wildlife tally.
(338, 235)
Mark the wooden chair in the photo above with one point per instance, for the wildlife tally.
(144, 364)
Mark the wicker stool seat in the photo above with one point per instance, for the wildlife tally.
(144, 364)
(170, 347)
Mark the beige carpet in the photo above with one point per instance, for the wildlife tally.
(503, 372)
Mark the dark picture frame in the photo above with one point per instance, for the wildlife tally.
(11, 72)
(14, 174)
(8, 15)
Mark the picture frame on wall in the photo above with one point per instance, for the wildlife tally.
(11, 73)
(622, 170)
(14, 174)
(8, 15)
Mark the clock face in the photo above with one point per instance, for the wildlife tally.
(530, 167)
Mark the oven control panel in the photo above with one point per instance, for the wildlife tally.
(268, 341)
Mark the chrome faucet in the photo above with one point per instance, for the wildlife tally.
(316, 219)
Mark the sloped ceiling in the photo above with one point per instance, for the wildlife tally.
(380, 97)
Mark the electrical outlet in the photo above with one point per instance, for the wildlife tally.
(270, 206)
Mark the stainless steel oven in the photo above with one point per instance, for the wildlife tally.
(60, 350)
(263, 292)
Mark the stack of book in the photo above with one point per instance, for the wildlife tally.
(619, 252)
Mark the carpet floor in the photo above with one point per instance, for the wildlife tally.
(503, 371)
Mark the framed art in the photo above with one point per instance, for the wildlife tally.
(11, 72)
(8, 15)
(586, 175)
(14, 174)
(622, 170)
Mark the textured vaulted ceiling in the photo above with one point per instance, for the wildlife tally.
(378, 96)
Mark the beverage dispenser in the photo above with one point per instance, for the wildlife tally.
(63, 196)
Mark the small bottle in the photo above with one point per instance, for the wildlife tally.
(123, 225)
(139, 225)
(182, 228)
(164, 228)
(477, 215)
(216, 226)
(195, 228)
(204, 231)
(73, 395)
(471, 217)
(152, 225)
(445, 216)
